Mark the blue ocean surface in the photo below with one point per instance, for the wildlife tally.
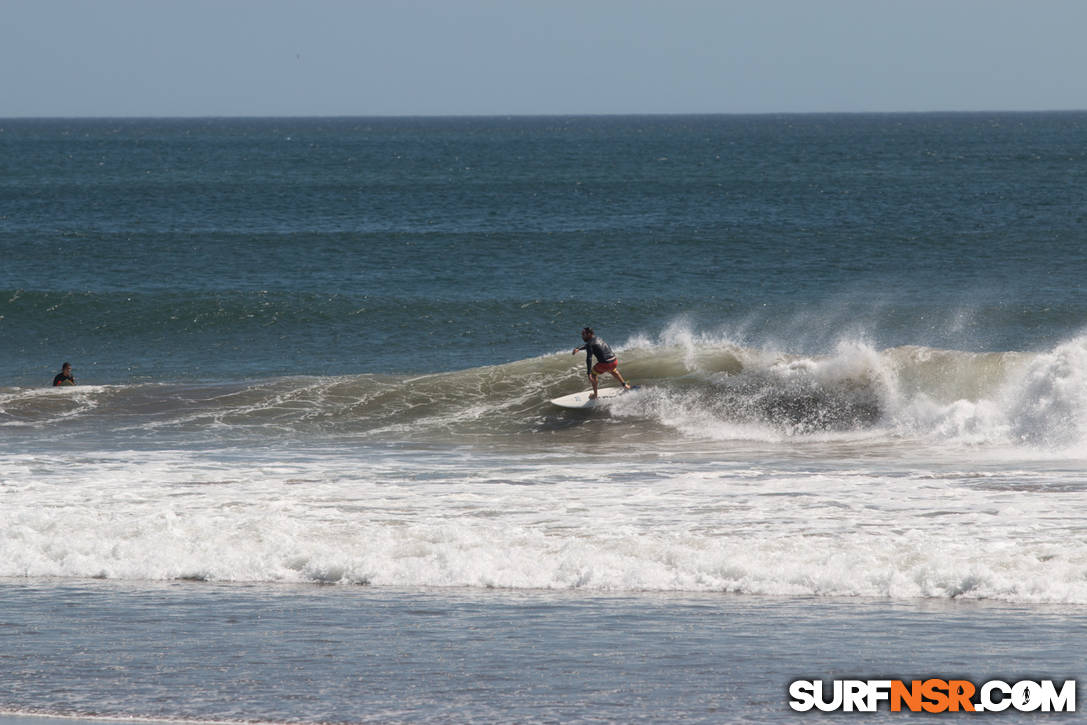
(227, 249)
(310, 471)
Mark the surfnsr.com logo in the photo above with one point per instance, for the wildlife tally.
(933, 695)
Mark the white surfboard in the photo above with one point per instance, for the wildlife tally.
(582, 399)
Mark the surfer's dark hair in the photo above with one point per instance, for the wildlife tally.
(588, 330)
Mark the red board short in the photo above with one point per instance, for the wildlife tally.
(606, 367)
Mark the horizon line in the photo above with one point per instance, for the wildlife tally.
(660, 114)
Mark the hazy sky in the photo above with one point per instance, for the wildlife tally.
(430, 57)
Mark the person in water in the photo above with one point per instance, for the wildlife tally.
(606, 361)
(64, 377)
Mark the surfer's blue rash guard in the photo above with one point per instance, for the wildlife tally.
(600, 349)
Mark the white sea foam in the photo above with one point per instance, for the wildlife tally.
(436, 519)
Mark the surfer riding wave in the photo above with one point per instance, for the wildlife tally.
(607, 362)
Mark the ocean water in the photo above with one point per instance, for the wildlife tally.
(311, 474)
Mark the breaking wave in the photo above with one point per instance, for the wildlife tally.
(690, 389)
